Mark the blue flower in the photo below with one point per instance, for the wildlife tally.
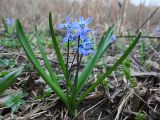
(84, 23)
(85, 48)
(69, 26)
(85, 39)
(113, 38)
(78, 31)
(9, 21)
(69, 36)
(157, 30)
(83, 33)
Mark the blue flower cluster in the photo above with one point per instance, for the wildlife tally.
(9, 21)
(78, 31)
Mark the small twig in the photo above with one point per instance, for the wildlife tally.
(93, 107)
(126, 36)
(143, 100)
(37, 114)
(99, 117)
(149, 17)
(142, 74)
(122, 105)
(17, 57)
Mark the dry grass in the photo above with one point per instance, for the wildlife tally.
(105, 12)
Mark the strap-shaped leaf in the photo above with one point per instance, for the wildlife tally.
(100, 79)
(5, 25)
(105, 40)
(44, 56)
(58, 53)
(30, 54)
(9, 79)
(91, 63)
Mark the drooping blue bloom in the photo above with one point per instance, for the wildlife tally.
(69, 36)
(85, 48)
(68, 26)
(157, 30)
(113, 38)
(83, 33)
(84, 23)
(9, 21)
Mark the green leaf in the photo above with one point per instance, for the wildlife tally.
(38, 67)
(105, 42)
(5, 25)
(58, 53)
(9, 79)
(15, 100)
(44, 56)
(100, 79)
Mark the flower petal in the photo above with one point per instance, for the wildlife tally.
(81, 19)
(89, 20)
(68, 19)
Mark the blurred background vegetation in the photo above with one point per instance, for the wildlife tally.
(123, 13)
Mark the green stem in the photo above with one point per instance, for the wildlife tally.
(67, 54)
(73, 95)
(77, 71)
(72, 62)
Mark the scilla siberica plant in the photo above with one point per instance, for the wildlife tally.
(75, 32)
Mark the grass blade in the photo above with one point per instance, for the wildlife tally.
(49, 68)
(5, 25)
(35, 62)
(100, 79)
(58, 53)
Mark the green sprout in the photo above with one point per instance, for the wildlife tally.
(15, 101)
(141, 116)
